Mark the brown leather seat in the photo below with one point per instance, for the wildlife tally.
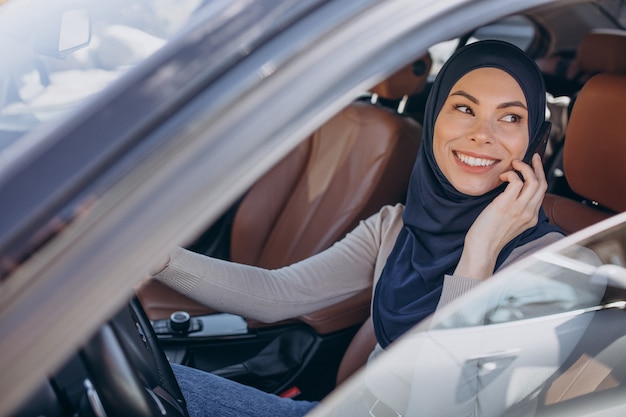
(602, 52)
(593, 161)
(593, 156)
(357, 162)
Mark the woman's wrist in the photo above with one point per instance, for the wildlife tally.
(476, 264)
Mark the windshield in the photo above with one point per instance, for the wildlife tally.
(57, 54)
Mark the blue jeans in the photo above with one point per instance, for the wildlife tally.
(209, 395)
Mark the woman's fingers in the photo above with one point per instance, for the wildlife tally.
(538, 167)
(521, 199)
(534, 183)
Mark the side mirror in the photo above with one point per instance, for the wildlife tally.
(63, 35)
(75, 31)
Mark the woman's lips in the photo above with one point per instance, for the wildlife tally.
(473, 161)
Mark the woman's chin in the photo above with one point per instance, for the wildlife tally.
(474, 189)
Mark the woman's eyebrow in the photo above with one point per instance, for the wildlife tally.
(513, 104)
(466, 95)
(500, 106)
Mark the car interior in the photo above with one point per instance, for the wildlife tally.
(349, 167)
(375, 136)
(290, 230)
(346, 170)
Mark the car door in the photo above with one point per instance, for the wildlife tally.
(142, 167)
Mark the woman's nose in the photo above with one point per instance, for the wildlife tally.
(483, 132)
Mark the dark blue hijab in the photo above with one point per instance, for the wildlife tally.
(437, 216)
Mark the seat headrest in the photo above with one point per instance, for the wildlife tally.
(603, 51)
(407, 81)
(595, 142)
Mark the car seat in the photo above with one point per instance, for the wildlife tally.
(593, 156)
(358, 161)
(600, 51)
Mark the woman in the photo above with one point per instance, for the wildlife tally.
(472, 207)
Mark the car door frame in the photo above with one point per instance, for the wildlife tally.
(184, 163)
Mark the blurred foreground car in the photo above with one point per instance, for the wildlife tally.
(130, 127)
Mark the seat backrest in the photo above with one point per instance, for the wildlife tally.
(354, 164)
(358, 161)
(602, 51)
(593, 156)
(346, 170)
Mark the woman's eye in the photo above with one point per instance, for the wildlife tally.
(512, 118)
(463, 109)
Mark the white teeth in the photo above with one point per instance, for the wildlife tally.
(475, 162)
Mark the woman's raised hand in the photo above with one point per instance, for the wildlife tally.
(508, 215)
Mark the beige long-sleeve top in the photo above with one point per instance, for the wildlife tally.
(349, 266)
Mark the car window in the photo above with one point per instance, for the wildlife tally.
(590, 275)
(547, 287)
(57, 54)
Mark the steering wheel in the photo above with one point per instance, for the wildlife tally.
(129, 371)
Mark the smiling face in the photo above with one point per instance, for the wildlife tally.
(481, 128)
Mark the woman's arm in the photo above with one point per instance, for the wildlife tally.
(272, 295)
